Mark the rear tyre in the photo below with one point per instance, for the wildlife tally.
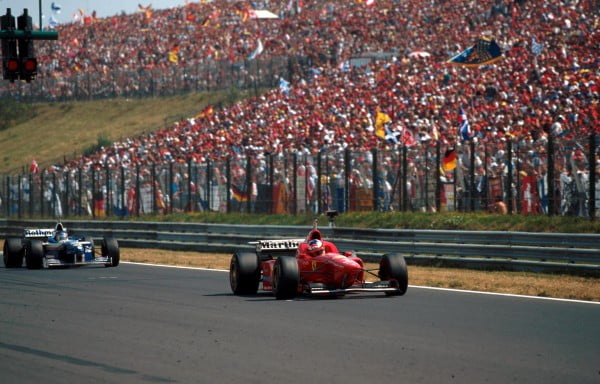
(13, 252)
(110, 249)
(244, 273)
(286, 276)
(392, 267)
(34, 254)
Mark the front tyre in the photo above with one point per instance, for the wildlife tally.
(34, 254)
(110, 249)
(244, 273)
(13, 252)
(392, 267)
(286, 276)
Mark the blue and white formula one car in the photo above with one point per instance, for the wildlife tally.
(45, 248)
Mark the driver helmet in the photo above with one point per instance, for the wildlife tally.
(315, 247)
(60, 235)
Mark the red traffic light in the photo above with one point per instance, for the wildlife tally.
(30, 65)
(12, 65)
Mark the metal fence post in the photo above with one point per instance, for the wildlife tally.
(248, 184)
(472, 177)
(438, 184)
(509, 165)
(54, 197)
(67, 192)
(228, 183)
(30, 195)
(79, 192)
(306, 177)
(93, 193)
(19, 199)
(519, 189)
(347, 171)
(171, 181)
(486, 195)
(138, 198)
(190, 205)
(295, 182)
(107, 184)
(207, 194)
(153, 189)
(404, 180)
(319, 186)
(550, 177)
(271, 180)
(122, 204)
(41, 194)
(376, 186)
(592, 165)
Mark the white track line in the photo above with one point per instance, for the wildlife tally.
(410, 286)
(505, 294)
(174, 266)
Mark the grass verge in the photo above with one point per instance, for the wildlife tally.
(65, 130)
(467, 221)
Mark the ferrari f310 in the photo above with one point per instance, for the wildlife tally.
(312, 267)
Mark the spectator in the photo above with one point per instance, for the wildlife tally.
(331, 103)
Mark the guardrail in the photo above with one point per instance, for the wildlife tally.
(571, 253)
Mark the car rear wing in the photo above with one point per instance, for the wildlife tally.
(277, 247)
(38, 233)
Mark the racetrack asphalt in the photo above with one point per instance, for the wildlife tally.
(150, 324)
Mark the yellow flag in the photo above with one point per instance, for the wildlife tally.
(173, 58)
(381, 119)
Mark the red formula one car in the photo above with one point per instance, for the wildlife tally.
(312, 267)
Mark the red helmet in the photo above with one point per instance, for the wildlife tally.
(315, 247)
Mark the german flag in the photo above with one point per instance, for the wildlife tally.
(449, 160)
(238, 195)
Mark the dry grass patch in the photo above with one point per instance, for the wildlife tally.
(522, 283)
(180, 258)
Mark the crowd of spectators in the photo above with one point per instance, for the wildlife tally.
(524, 98)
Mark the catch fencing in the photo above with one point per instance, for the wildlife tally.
(203, 77)
(557, 177)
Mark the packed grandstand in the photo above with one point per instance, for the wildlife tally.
(360, 76)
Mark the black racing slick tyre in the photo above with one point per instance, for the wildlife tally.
(392, 267)
(110, 249)
(13, 252)
(286, 277)
(34, 254)
(244, 273)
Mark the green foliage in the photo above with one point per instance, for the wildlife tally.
(401, 220)
(233, 95)
(103, 141)
(13, 112)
